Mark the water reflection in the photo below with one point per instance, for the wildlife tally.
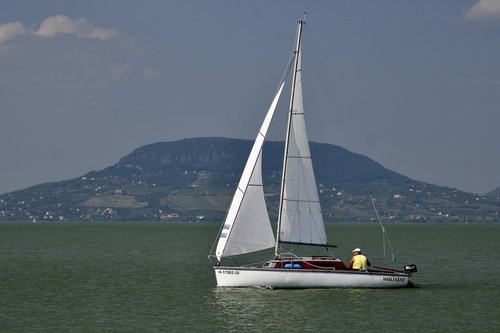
(249, 308)
(252, 309)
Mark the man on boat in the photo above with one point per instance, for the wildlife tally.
(358, 261)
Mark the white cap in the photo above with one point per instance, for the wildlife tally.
(356, 250)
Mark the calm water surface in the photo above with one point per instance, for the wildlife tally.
(156, 278)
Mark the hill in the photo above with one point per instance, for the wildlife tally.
(194, 179)
(495, 193)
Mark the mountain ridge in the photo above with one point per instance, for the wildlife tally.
(194, 179)
(495, 193)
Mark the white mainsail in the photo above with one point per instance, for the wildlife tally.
(301, 218)
(247, 227)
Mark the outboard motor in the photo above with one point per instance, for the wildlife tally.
(412, 268)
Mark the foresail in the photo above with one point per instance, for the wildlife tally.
(247, 227)
(301, 218)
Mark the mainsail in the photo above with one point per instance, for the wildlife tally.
(247, 227)
(301, 220)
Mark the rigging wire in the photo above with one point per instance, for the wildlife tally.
(330, 90)
(385, 236)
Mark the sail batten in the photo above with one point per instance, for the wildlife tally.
(298, 200)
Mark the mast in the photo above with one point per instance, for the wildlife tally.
(287, 137)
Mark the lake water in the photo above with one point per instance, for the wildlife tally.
(138, 277)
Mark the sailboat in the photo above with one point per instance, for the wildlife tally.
(247, 226)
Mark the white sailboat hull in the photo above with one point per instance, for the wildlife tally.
(300, 278)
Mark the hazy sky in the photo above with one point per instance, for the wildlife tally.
(83, 83)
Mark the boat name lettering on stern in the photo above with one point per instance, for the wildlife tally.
(228, 272)
(393, 279)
